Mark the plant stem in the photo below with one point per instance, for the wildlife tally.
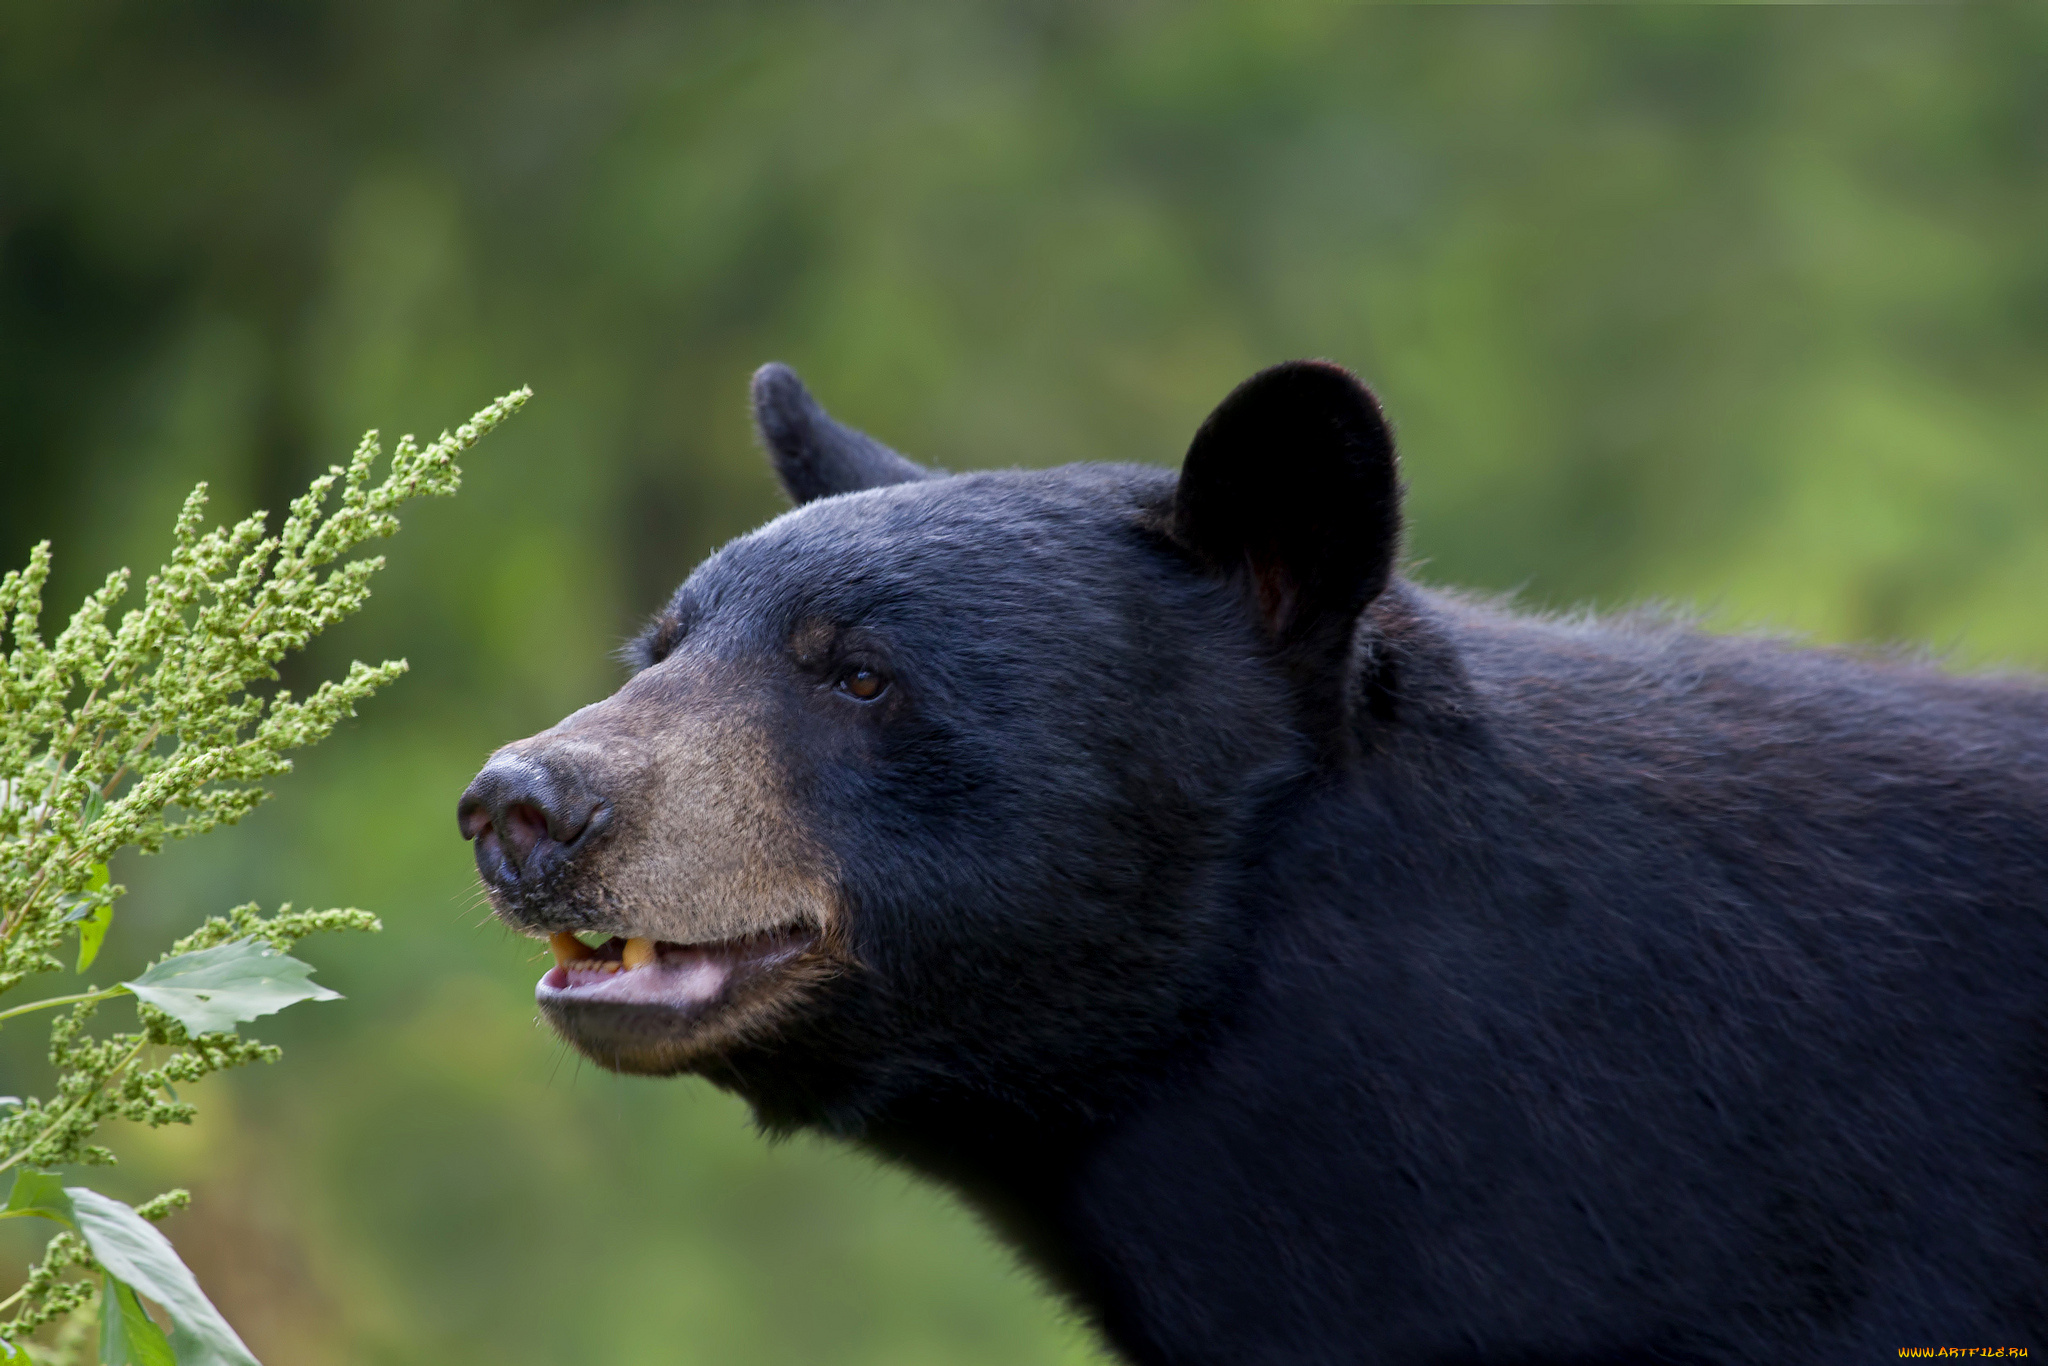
(109, 994)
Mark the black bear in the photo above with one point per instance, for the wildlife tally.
(1300, 965)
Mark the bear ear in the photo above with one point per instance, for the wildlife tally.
(814, 456)
(1291, 486)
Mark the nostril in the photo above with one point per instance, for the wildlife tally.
(490, 856)
(525, 826)
(474, 819)
(567, 822)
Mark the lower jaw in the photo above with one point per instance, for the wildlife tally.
(640, 1040)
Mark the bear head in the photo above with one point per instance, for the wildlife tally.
(946, 784)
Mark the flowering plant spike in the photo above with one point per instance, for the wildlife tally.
(126, 734)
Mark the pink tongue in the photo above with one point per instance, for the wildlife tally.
(684, 979)
(698, 980)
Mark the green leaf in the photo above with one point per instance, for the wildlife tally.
(9, 1352)
(134, 1251)
(92, 929)
(128, 1336)
(78, 905)
(39, 1193)
(209, 991)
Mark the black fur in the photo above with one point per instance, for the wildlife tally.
(1300, 965)
(813, 455)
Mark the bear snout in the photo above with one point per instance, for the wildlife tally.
(527, 817)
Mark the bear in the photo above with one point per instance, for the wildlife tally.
(1298, 964)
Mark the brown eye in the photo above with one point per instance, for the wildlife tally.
(865, 684)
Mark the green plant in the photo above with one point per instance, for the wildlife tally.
(126, 736)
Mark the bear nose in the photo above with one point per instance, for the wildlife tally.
(525, 815)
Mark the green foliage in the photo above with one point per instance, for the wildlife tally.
(212, 990)
(169, 739)
(128, 736)
(132, 1256)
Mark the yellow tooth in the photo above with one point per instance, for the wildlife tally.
(639, 953)
(568, 948)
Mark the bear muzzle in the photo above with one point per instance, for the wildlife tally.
(668, 828)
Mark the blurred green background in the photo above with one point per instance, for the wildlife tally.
(1740, 308)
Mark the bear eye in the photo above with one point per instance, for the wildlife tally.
(864, 684)
(659, 640)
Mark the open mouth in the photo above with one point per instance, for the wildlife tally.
(682, 979)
